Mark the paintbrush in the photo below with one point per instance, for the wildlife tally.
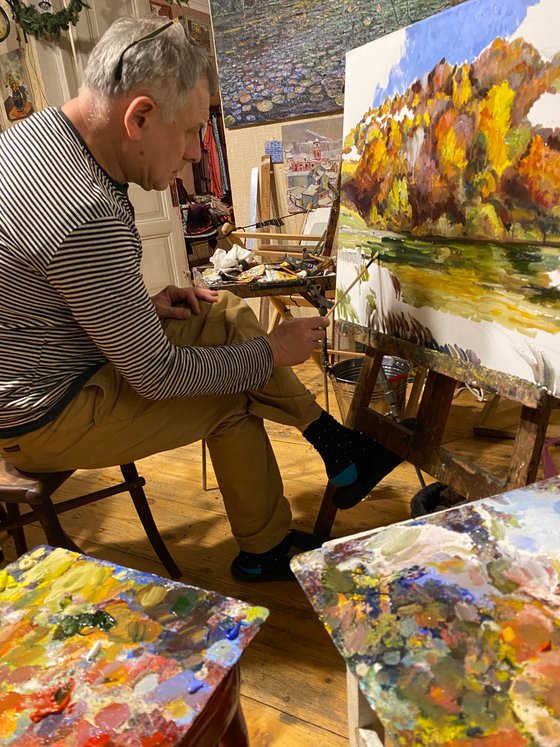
(352, 284)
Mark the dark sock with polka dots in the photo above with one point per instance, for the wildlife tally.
(338, 447)
(354, 462)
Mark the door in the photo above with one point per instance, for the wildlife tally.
(62, 66)
(164, 259)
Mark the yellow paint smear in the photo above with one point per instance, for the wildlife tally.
(8, 723)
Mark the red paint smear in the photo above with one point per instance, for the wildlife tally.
(48, 703)
(99, 740)
(155, 740)
(113, 716)
(445, 700)
(12, 701)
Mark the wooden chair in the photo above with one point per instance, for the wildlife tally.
(36, 491)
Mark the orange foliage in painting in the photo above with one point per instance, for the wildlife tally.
(541, 169)
(462, 153)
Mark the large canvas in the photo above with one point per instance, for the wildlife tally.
(450, 622)
(284, 59)
(452, 140)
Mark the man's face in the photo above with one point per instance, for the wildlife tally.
(168, 146)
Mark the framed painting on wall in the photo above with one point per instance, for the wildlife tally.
(16, 91)
(451, 171)
(312, 151)
(8, 31)
(5, 25)
(294, 50)
(160, 9)
(202, 34)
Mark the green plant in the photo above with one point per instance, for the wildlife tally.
(46, 24)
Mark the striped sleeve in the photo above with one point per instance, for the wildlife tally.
(96, 271)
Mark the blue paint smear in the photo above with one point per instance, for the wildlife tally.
(177, 686)
(526, 543)
(556, 507)
(458, 34)
(232, 633)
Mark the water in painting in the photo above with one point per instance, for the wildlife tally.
(284, 59)
(451, 170)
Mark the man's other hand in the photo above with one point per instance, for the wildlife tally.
(179, 303)
(294, 339)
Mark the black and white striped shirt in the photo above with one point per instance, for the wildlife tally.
(72, 295)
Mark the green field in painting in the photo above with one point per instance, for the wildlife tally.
(503, 283)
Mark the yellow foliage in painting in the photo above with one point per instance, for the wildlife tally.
(395, 134)
(494, 123)
(487, 184)
(541, 169)
(348, 169)
(461, 89)
(376, 155)
(451, 152)
(397, 199)
(485, 221)
(375, 219)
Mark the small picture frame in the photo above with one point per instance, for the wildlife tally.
(9, 36)
(202, 34)
(161, 9)
(17, 94)
(5, 25)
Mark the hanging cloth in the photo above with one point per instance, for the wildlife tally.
(211, 149)
(220, 147)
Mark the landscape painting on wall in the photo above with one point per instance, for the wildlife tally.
(284, 59)
(312, 151)
(451, 170)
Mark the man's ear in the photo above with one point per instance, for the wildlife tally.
(137, 116)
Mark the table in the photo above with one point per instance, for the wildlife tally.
(449, 624)
(95, 654)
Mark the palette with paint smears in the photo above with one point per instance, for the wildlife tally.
(98, 654)
(450, 622)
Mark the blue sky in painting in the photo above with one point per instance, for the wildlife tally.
(458, 34)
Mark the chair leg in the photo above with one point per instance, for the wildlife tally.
(236, 734)
(12, 512)
(130, 473)
(55, 534)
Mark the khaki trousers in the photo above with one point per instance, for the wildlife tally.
(107, 424)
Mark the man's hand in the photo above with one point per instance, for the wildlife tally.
(179, 303)
(294, 339)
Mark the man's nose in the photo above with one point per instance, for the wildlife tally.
(193, 149)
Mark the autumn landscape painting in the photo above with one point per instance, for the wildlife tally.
(451, 171)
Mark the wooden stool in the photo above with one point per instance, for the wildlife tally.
(221, 722)
(36, 491)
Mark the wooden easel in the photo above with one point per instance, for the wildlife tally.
(422, 446)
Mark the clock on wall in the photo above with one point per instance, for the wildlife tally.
(4, 25)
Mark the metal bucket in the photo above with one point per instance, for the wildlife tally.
(344, 377)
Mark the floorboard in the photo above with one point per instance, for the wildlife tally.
(293, 680)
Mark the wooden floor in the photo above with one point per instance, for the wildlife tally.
(293, 680)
